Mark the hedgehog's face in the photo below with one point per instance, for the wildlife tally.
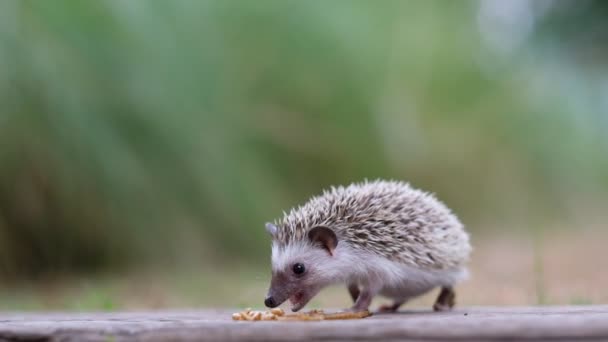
(300, 269)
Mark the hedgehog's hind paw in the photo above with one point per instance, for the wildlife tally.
(446, 300)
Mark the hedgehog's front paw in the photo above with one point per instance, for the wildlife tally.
(388, 308)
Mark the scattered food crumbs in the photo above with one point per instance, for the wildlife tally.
(278, 314)
(253, 315)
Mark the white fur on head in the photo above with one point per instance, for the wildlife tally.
(327, 268)
(301, 251)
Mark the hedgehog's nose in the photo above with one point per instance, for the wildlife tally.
(269, 302)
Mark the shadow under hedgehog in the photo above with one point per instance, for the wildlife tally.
(380, 237)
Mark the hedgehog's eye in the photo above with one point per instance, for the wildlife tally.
(298, 268)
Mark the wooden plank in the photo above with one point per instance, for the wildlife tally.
(478, 323)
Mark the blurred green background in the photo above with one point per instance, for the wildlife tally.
(157, 137)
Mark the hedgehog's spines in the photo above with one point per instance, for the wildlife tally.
(387, 218)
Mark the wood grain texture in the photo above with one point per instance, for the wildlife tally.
(464, 324)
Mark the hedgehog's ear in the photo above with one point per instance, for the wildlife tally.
(324, 237)
(271, 229)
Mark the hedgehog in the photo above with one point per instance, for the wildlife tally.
(377, 238)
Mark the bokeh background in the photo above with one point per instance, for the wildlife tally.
(143, 144)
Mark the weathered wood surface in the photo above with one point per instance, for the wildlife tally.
(463, 324)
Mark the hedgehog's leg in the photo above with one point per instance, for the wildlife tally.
(392, 307)
(446, 299)
(354, 291)
(365, 297)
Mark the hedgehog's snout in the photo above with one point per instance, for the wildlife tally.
(278, 292)
(270, 302)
